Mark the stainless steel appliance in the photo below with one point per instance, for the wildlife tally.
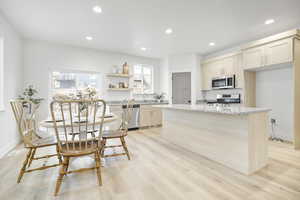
(226, 99)
(134, 123)
(225, 82)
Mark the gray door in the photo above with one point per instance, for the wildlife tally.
(181, 88)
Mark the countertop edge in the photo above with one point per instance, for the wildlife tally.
(215, 111)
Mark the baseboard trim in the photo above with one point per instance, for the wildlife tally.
(7, 148)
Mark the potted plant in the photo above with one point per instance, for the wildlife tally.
(159, 97)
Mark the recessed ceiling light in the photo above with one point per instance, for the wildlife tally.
(212, 44)
(89, 38)
(97, 9)
(269, 21)
(143, 48)
(169, 31)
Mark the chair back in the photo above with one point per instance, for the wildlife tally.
(78, 124)
(24, 112)
(127, 114)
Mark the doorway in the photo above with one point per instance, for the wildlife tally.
(181, 88)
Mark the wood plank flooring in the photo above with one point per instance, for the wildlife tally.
(159, 170)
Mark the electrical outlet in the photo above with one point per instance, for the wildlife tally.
(273, 121)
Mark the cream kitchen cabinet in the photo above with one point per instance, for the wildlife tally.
(253, 58)
(150, 116)
(223, 66)
(207, 75)
(156, 117)
(277, 52)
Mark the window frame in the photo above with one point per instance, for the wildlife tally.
(2, 107)
(152, 78)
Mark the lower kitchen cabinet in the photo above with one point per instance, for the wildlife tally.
(150, 116)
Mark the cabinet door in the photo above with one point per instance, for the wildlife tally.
(145, 117)
(253, 58)
(156, 117)
(279, 52)
(206, 76)
(238, 71)
(229, 64)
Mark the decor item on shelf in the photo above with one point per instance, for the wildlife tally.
(29, 94)
(121, 85)
(111, 86)
(159, 97)
(125, 68)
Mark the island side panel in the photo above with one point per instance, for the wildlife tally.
(220, 137)
(258, 141)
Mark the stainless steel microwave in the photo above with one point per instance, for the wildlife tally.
(226, 82)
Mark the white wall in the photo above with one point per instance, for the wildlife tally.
(274, 89)
(181, 63)
(42, 57)
(12, 84)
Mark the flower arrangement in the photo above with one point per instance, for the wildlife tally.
(30, 94)
(87, 93)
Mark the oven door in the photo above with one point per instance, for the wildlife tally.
(219, 83)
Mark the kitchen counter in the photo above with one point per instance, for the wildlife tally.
(235, 110)
(236, 137)
(117, 103)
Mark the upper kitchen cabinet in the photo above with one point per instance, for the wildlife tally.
(269, 51)
(279, 52)
(227, 65)
(207, 76)
(253, 58)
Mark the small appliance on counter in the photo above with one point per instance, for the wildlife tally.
(226, 82)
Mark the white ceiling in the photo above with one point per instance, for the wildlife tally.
(127, 25)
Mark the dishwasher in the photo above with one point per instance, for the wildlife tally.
(134, 122)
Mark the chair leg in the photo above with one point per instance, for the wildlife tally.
(125, 147)
(23, 169)
(31, 157)
(61, 175)
(98, 168)
(103, 147)
(68, 162)
(58, 155)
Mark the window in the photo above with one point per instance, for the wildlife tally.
(143, 79)
(1, 74)
(67, 81)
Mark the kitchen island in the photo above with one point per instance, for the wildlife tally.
(236, 137)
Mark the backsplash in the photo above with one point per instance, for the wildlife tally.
(212, 94)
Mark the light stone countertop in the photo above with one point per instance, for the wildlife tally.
(119, 103)
(236, 110)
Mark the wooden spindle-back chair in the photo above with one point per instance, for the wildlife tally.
(121, 133)
(24, 112)
(80, 132)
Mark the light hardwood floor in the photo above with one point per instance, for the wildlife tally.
(158, 170)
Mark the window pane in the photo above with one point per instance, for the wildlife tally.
(64, 80)
(137, 69)
(75, 80)
(142, 79)
(147, 70)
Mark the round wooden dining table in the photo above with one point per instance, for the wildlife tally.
(49, 124)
